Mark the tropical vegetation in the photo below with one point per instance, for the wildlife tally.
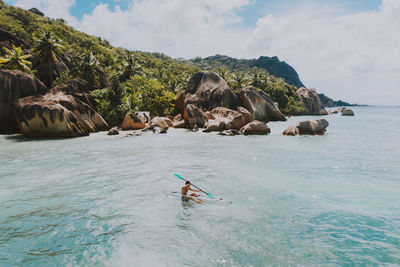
(123, 80)
(16, 59)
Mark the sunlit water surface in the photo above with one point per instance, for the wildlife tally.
(106, 200)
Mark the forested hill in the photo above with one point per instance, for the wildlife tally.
(121, 80)
(272, 65)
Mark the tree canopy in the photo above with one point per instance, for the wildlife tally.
(138, 80)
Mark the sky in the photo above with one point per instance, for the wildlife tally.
(346, 49)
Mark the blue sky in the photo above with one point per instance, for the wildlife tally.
(250, 13)
(259, 8)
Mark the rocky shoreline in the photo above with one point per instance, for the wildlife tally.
(208, 103)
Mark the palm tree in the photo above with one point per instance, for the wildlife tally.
(255, 77)
(88, 68)
(15, 59)
(131, 67)
(47, 47)
(223, 72)
(239, 80)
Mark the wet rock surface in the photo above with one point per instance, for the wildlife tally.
(207, 90)
(57, 115)
(309, 127)
(260, 106)
(15, 84)
(311, 101)
(255, 128)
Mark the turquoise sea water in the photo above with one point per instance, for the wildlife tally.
(106, 200)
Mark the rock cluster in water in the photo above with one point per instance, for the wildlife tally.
(210, 103)
(30, 106)
(343, 110)
(68, 110)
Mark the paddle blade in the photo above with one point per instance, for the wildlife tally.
(177, 175)
(211, 196)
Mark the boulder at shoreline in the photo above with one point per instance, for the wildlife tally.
(194, 117)
(161, 122)
(15, 84)
(311, 101)
(309, 127)
(347, 112)
(255, 128)
(57, 115)
(260, 106)
(225, 119)
(78, 88)
(113, 131)
(207, 90)
(246, 114)
(132, 122)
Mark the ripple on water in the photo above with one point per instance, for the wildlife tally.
(100, 200)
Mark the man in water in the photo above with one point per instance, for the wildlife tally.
(184, 192)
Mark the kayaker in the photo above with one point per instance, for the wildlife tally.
(186, 197)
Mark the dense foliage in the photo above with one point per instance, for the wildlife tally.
(138, 80)
(16, 59)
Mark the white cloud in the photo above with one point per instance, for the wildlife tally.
(51, 8)
(353, 57)
(179, 28)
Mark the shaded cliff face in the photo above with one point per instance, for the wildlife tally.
(279, 69)
(329, 102)
(271, 64)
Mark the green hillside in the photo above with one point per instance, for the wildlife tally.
(135, 80)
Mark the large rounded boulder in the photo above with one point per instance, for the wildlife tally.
(255, 128)
(132, 122)
(179, 122)
(57, 115)
(194, 117)
(15, 84)
(113, 131)
(309, 127)
(180, 102)
(161, 122)
(207, 90)
(347, 112)
(78, 88)
(225, 119)
(73, 86)
(260, 106)
(311, 101)
(246, 114)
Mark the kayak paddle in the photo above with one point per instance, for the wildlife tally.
(208, 194)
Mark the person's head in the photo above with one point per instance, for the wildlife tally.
(187, 182)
